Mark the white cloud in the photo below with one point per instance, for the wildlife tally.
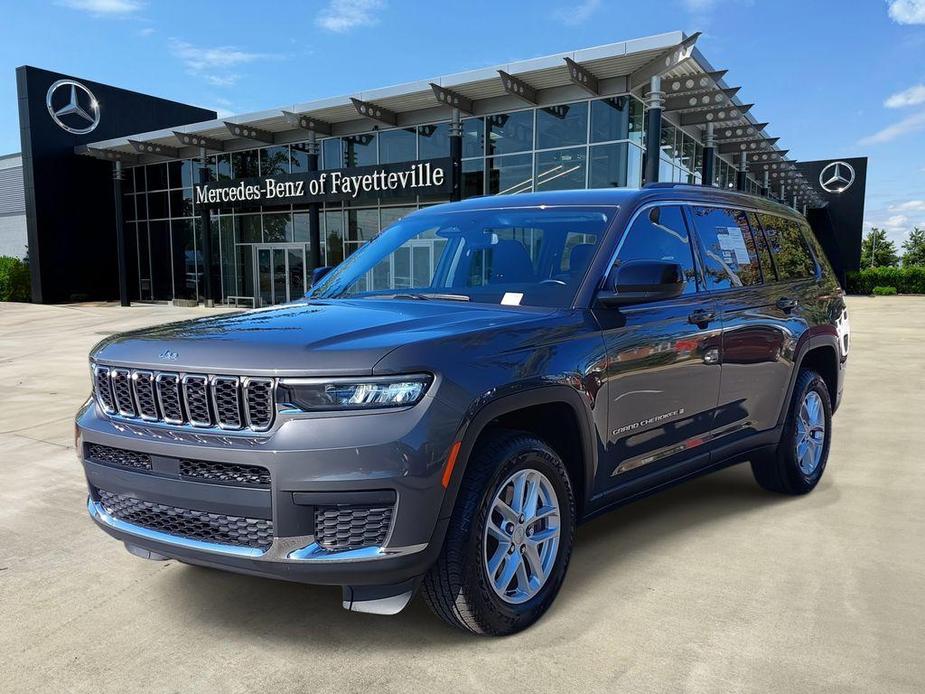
(214, 64)
(910, 205)
(908, 97)
(147, 31)
(907, 11)
(341, 16)
(698, 5)
(110, 8)
(577, 14)
(906, 126)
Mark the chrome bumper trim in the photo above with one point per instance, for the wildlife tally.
(99, 514)
(315, 552)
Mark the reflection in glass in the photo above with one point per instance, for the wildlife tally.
(334, 236)
(331, 154)
(187, 264)
(473, 178)
(609, 166)
(274, 161)
(561, 169)
(157, 176)
(509, 132)
(562, 125)
(610, 119)
(247, 228)
(245, 164)
(511, 174)
(277, 228)
(434, 141)
(397, 145)
(298, 159)
(360, 150)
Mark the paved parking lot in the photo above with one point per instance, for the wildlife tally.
(714, 586)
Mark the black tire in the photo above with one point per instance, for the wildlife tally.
(780, 471)
(457, 587)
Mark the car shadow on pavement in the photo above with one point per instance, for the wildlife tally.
(312, 616)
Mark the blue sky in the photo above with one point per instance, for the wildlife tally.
(833, 77)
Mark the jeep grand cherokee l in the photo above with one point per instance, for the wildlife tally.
(450, 401)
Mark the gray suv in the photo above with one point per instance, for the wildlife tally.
(449, 402)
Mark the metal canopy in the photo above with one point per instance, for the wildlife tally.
(613, 69)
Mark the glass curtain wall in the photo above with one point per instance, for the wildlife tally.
(590, 143)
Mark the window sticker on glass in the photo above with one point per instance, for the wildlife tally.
(732, 243)
(511, 298)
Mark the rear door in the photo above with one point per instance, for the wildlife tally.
(662, 375)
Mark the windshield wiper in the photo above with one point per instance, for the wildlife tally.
(421, 296)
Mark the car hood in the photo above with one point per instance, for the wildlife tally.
(343, 337)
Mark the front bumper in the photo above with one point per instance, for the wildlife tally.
(400, 453)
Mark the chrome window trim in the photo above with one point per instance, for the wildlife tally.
(100, 371)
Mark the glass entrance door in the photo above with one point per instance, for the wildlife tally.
(280, 272)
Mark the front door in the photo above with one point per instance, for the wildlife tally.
(663, 372)
(280, 272)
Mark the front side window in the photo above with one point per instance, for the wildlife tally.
(729, 255)
(518, 257)
(660, 233)
(790, 250)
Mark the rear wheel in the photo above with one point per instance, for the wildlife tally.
(510, 538)
(799, 461)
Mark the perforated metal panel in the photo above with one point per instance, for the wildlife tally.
(352, 527)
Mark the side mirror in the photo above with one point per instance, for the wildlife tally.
(318, 273)
(640, 281)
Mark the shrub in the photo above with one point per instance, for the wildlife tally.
(905, 280)
(884, 291)
(15, 282)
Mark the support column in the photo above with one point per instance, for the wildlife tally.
(654, 102)
(783, 193)
(314, 211)
(456, 155)
(709, 156)
(120, 233)
(794, 205)
(205, 224)
(766, 185)
(742, 174)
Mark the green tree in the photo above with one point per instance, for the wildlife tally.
(877, 250)
(914, 248)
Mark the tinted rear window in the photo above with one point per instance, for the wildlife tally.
(729, 255)
(788, 246)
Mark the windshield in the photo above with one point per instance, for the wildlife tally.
(519, 257)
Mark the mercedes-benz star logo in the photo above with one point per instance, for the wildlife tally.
(836, 177)
(73, 107)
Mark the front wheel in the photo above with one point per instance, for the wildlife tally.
(797, 465)
(510, 538)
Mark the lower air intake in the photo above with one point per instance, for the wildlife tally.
(187, 523)
(352, 527)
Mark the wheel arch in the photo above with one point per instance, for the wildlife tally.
(820, 353)
(505, 410)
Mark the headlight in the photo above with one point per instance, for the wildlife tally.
(320, 395)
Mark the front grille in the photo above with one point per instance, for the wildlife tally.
(118, 456)
(200, 400)
(352, 527)
(225, 473)
(187, 523)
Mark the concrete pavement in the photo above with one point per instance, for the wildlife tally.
(714, 586)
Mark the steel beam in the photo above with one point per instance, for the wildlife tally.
(308, 122)
(452, 98)
(715, 115)
(666, 61)
(755, 145)
(155, 149)
(375, 112)
(704, 99)
(583, 77)
(677, 86)
(106, 154)
(193, 140)
(250, 132)
(517, 87)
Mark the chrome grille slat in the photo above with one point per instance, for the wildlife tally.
(226, 399)
(145, 397)
(259, 403)
(215, 401)
(196, 394)
(168, 397)
(122, 392)
(103, 388)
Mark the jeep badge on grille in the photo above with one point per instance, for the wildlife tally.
(167, 355)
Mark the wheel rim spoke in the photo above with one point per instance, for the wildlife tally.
(810, 433)
(521, 536)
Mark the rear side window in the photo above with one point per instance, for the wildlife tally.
(660, 233)
(730, 258)
(764, 253)
(790, 250)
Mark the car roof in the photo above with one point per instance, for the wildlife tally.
(616, 197)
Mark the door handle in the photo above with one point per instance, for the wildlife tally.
(786, 303)
(701, 317)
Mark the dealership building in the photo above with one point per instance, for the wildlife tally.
(125, 195)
